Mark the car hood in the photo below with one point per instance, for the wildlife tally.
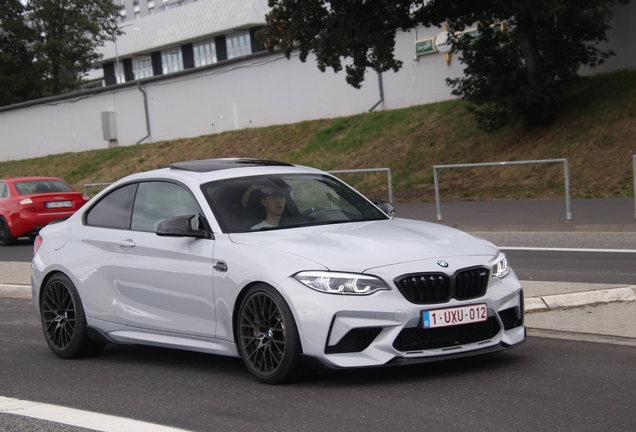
(365, 245)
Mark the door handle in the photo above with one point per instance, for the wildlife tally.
(220, 266)
(127, 244)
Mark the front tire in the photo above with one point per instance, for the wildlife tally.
(268, 337)
(63, 320)
(6, 239)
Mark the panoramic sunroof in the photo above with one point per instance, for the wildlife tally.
(207, 165)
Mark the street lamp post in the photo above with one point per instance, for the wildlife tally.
(116, 52)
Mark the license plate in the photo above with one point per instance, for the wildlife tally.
(455, 316)
(59, 204)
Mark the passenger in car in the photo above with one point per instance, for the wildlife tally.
(274, 202)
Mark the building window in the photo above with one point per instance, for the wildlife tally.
(119, 73)
(204, 52)
(171, 60)
(238, 44)
(142, 67)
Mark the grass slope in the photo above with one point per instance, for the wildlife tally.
(596, 132)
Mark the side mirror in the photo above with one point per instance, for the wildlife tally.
(386, 207)
(179, 226)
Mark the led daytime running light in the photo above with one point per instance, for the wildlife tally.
(341, 283)
(501, 269)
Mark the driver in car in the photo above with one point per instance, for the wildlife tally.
(274, 202)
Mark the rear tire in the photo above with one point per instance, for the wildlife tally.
(268, 337)
(6, 239)
(63, 320)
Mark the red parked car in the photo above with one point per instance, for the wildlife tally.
(29, 203)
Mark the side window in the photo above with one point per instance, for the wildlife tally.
(157, 201)
(114, 210)
(4, 192)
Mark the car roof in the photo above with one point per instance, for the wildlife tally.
(203, 171)
(208, 165)
(34, 178)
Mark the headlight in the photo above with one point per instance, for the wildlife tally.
(341, 283)
(500, 269)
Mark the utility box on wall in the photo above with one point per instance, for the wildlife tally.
(108, 125)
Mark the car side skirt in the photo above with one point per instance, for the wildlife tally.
(119, 334)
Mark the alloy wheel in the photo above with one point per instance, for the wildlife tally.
(262, 333)
(58, 315)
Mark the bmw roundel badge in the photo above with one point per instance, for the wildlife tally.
(442, 263)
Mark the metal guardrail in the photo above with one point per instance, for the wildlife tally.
(485, 164)
(634, 156)
(86, 186)
(363, 170)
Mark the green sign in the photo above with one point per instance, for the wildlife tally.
(473, 33)
(425, 46)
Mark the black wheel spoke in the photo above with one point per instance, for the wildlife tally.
(58, 315)
(263, 338)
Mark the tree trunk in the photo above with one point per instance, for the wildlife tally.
(529, 48)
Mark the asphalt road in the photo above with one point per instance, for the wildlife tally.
(545, 384)
(583, 267)
(22, 251)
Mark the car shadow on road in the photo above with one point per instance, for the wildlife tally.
(211, 366)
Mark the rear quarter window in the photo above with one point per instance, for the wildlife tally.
(113, 210)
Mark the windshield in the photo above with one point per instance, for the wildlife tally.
(285, 201)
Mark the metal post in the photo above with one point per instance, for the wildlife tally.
(116, 60)
(390, 179)
(635, 187)
(568, 212)
(116, 52)
(437, 200)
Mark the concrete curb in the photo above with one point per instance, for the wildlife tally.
(538, 304)
(15, 291)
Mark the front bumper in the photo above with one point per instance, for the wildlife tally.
(340, 331)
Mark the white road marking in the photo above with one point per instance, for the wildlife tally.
(79, 418)
(567, 249)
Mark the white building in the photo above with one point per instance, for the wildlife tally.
(198, 70)
(133, 9)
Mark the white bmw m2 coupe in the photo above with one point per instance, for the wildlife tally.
(278, 264)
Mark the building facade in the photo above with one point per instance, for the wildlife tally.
(133, 9)
(199, 70)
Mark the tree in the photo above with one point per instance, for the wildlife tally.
(515, 75)
(19, 77)
(68, 33)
